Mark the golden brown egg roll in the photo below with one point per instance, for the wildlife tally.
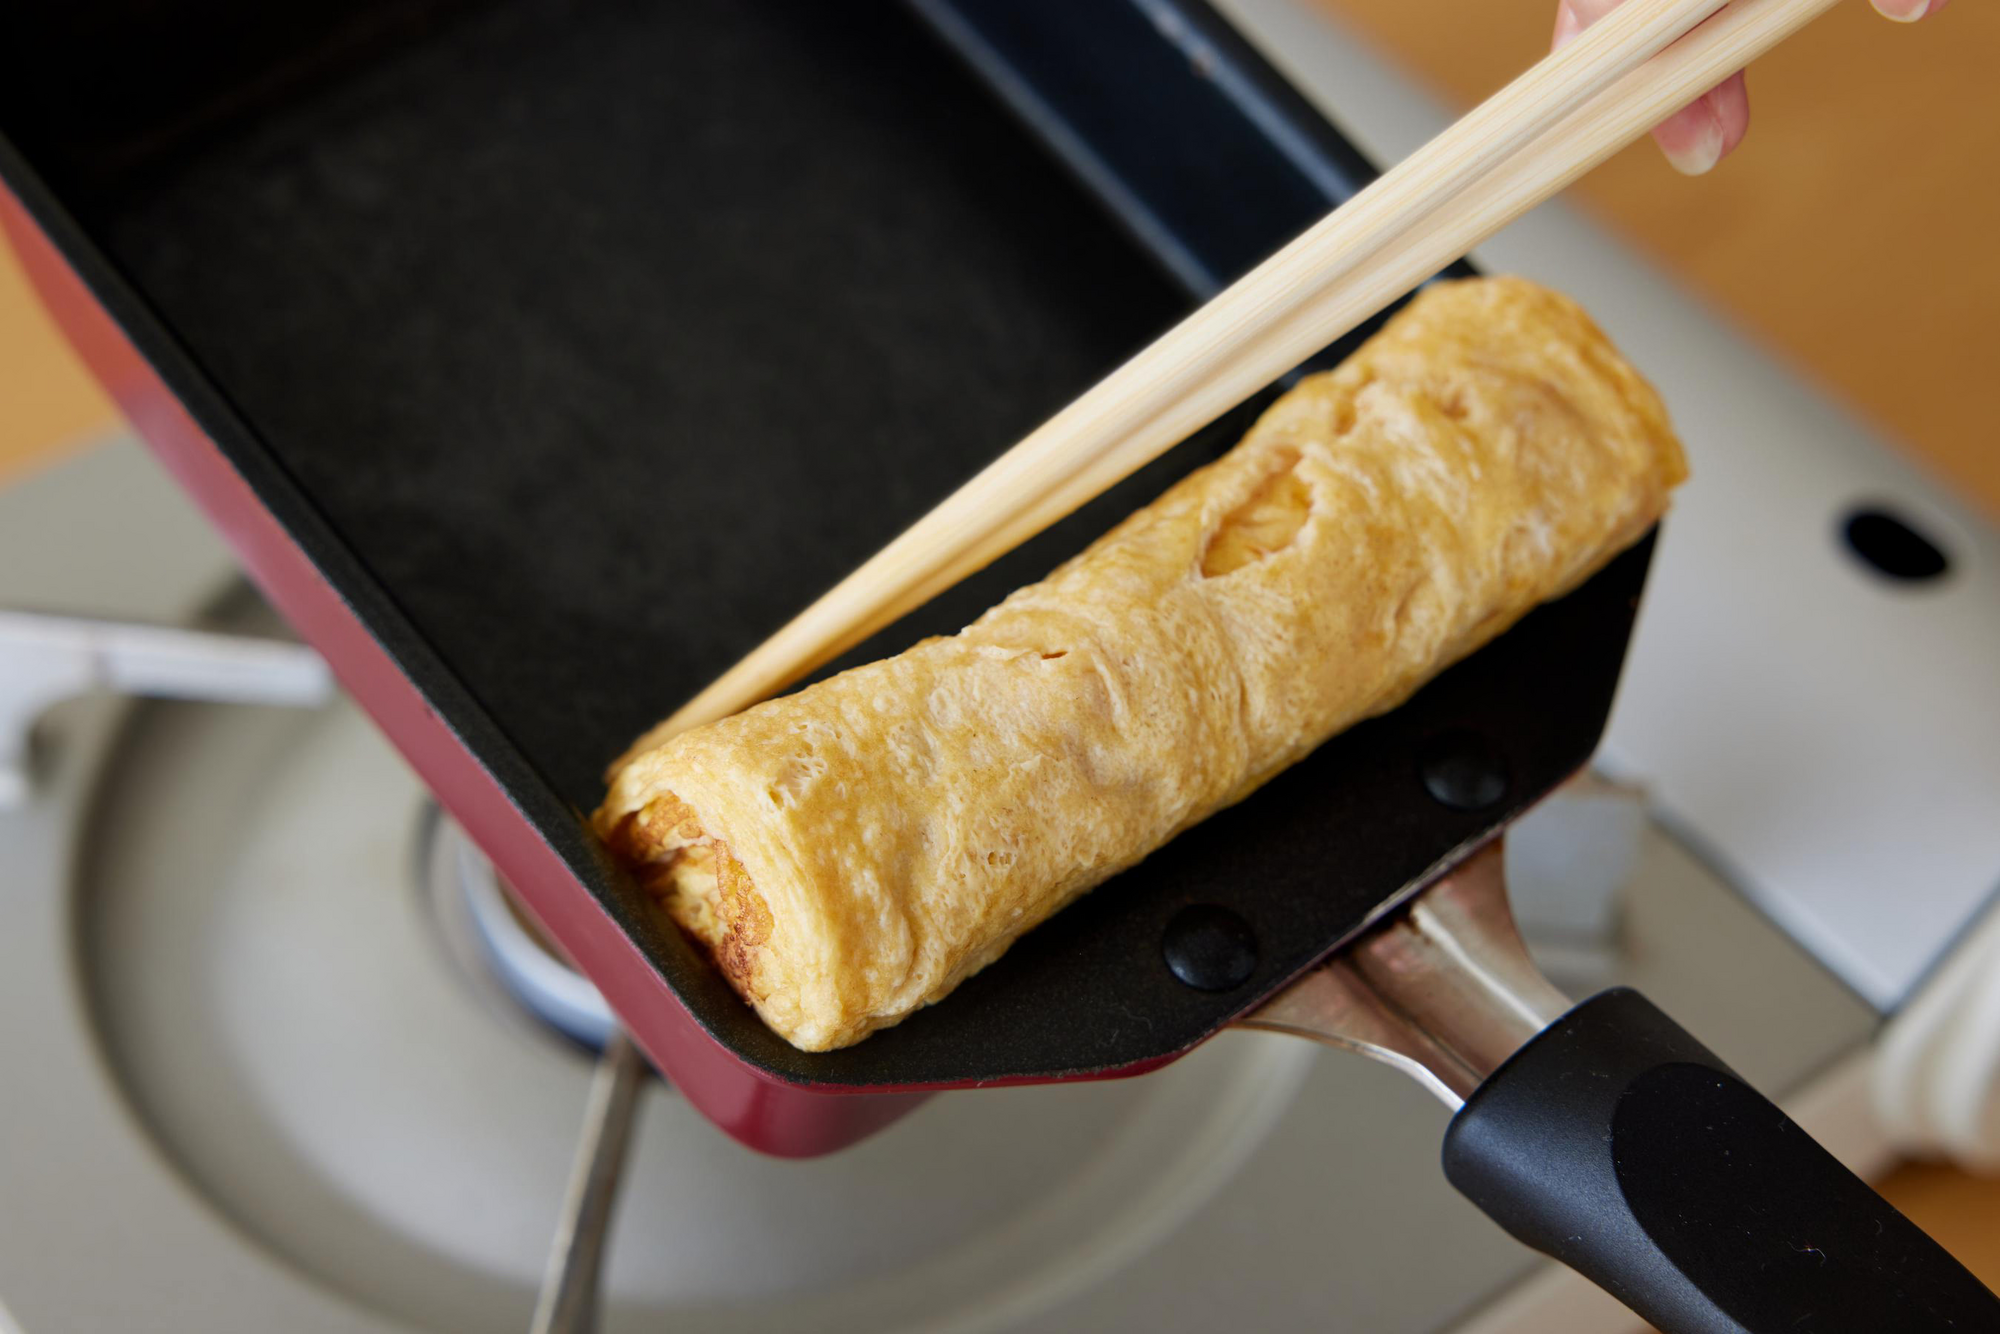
(853, 851)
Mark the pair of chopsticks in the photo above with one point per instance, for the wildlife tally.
(1525, 143)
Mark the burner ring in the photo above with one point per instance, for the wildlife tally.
(491, 938)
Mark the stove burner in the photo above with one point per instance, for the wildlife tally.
(330, 1060)
(488, 937)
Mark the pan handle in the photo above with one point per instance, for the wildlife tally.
(1616, 1143)
(1605, 1136)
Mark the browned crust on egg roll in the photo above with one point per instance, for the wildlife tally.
(855, 850)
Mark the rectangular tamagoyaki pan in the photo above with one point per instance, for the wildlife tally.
(539, 359)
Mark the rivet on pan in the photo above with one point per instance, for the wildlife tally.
(1210, 948)
(1463, 770)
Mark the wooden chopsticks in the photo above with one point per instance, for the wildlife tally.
(1528, 141)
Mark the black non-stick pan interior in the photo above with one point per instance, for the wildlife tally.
(605, 335)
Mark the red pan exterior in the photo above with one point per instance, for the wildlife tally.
(784, 1119)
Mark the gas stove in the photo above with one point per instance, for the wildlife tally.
(268, 1074)
(280, 1057)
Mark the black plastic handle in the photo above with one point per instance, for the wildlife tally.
(1621, 1146)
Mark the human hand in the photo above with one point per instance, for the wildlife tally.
(1708, 129)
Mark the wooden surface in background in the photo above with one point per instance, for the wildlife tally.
(48, 402)
(1855, 231)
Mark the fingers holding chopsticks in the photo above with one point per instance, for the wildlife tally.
(1708, 129)
(1701, 133)
(1908, 11)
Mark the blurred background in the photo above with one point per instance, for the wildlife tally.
(1851, 239)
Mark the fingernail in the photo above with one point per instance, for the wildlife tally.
(1568, 25)
(1696, 154)
(1902, 11)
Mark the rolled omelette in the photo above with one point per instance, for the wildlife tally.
(855, 850)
